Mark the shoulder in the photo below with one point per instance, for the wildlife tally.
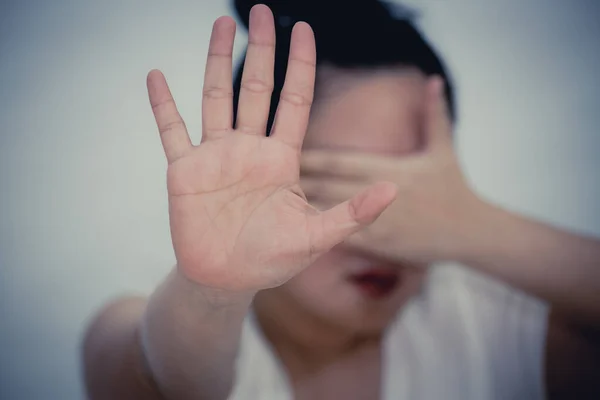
(493, 307)
(483, 331)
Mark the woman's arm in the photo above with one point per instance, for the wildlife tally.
(180, 344)
(239, 223)
(560, 267)
(437, 217)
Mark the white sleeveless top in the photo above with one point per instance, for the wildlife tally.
(465, 337)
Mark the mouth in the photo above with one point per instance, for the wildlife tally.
(376, 283)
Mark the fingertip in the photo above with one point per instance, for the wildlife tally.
(223, 27)
(436, 87)
(224, 22)
(438, 127)
(388, 191)
(384, 194)
(302, 28)
(260, 10)
(303, 47)
(262, 26)
(153, 75)
(155, 84)
(370, 203)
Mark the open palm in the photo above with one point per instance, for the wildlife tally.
(239, 220)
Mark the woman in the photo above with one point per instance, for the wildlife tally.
(306, 276)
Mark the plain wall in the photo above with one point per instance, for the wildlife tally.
(83, 207)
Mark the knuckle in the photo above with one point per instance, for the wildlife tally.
(296, 98)
(258, 86)
(217, 92)
(171, 126)
(216, 55)
(163, 104)
(268, 45)
(303, 62)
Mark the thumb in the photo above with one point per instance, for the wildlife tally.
(438, 128)
(331, 227)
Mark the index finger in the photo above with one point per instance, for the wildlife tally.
(344, 164)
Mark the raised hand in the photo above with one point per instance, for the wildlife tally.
(239, 220)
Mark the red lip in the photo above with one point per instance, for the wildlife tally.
(376, 283)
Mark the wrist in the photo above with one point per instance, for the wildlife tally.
(476, 231)
(188, 329)
(482, 226)
(215, 297)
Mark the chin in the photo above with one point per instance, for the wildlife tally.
(366, 317)
(371, 325)
(371, 301)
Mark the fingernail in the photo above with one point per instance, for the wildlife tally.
(438, 85)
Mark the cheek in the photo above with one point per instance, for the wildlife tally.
(322, 276)
(413, 278)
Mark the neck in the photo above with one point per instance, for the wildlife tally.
(304, 342)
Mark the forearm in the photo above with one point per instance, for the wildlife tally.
(180, 344)
(190, 338)
(559, 267)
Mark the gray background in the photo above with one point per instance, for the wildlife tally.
(83, 212)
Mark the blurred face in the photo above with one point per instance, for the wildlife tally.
(373, 111)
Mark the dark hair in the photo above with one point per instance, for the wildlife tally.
(348, 34)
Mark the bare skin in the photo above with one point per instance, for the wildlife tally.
(239, 221)
(244, 234)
